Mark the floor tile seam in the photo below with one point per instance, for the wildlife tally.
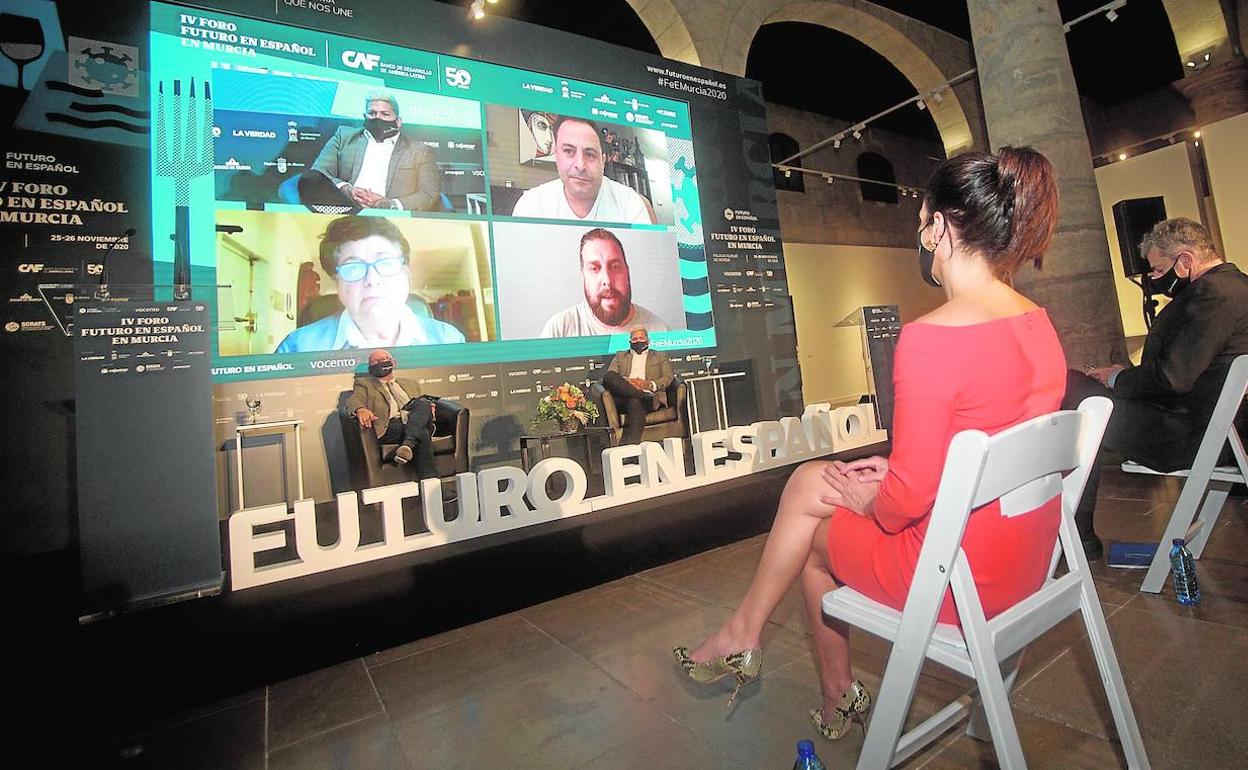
(692, 595)
(942, 744)
(642, 699)
(1018, 686)
(318, 734)
(410, 654)
(376, 693)
(1143, 608)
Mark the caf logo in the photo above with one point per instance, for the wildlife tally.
(729, 215)
(216, 132)
(12, 326)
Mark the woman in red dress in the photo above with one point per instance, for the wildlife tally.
(987, 359)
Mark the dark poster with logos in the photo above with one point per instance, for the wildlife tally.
(74, 176)
(147, 518)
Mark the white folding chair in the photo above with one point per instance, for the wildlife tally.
(1022, 467)
(1206, 480)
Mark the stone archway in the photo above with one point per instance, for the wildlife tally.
(886, 33)
(1199, 27)
(668, 29)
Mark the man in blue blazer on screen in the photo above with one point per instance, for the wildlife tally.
(378, 166)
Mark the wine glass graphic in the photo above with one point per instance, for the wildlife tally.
(21, 42)
(253, 407)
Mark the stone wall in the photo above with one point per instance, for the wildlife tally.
(836, 213)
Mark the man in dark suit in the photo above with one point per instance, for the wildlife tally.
(378, 166)
(1162, 406)
(638, 378)
(384, 403)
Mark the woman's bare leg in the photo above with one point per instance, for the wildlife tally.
(831, 636)
(787, 552)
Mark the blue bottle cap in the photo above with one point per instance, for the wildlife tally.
(805, 748)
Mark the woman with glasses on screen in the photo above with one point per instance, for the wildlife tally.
(987, 359)
(369, 259)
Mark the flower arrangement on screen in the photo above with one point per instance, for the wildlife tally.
(567, 405)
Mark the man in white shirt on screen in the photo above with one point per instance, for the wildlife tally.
(581, 191)
(608, 307)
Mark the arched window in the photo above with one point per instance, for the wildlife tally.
(872, 165)
(783, 146)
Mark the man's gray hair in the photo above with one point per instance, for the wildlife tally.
(382, 96)
(1173, 235)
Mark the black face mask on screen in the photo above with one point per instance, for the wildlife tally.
(381, 129)
(639, 347)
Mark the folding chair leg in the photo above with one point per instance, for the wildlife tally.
(1111, 678)
(977, 727)
(1182, 517)
(1215, 498)
(888, 713)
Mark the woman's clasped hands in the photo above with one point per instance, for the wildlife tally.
(854, 484)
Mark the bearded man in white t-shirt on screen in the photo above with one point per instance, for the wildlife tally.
(581, 191)
(608, 307)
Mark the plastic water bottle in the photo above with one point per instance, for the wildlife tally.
(806, 759)
(1183, 567)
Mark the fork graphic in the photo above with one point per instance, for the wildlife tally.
(183, 156)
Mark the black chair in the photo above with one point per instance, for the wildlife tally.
(660, 424)
(366, 455)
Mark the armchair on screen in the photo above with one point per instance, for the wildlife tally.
(366, 455)
(663, 423)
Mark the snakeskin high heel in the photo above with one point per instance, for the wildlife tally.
(854, 703)
(745, 666)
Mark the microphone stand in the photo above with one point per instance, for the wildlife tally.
(101, 292)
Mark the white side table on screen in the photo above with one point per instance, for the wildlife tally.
(721, 403)
(282, 425)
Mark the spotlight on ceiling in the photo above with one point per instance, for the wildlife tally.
(477, 9)
(922, 105)
(788, 172)
(836, 143)
(858, 131)
(1112, 15)
(828, 178)
(1122, 156)
(1199, 62)
(1196, 135)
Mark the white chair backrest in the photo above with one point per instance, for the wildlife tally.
(1222, 421)
(1023, 461)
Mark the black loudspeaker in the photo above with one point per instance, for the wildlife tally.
(1133, 218)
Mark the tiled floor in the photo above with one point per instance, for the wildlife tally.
(587, 680)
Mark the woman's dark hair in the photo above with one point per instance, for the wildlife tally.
(348, 229)
(1003, 205)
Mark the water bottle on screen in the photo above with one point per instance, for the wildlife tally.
(1183, 568)
(806, 759)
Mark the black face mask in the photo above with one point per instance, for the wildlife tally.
(381, 129)
(639, 347)
(926, 258)
(1172, 283)
(381, 369)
